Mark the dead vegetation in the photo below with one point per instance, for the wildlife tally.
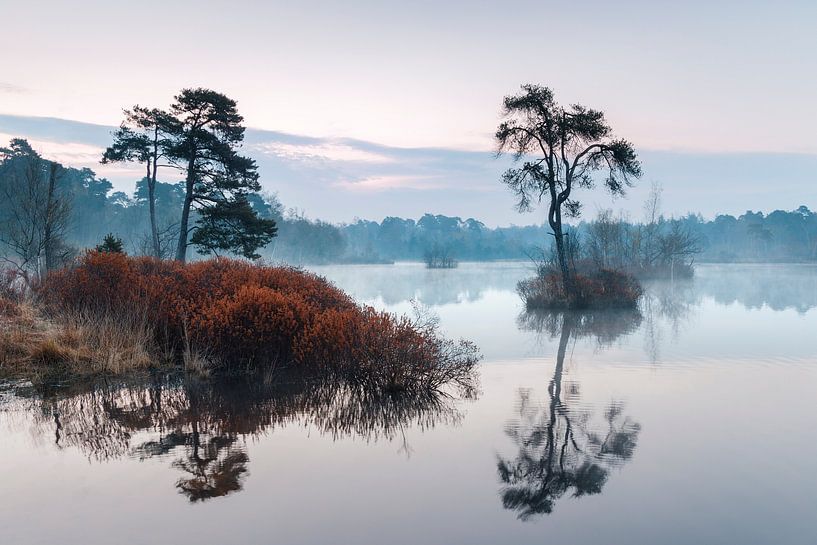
(74, 342)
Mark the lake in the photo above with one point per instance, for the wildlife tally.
(691, 420)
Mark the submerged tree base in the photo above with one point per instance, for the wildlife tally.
(597, 290)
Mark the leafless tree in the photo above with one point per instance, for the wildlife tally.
(652, 221)
(610, 241)
(166, 237)
(35, 214)
(677, 246)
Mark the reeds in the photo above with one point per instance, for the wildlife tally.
(76, 342)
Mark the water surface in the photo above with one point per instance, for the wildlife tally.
(689, 421)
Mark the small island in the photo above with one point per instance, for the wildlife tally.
(560, 150)
(114, 314)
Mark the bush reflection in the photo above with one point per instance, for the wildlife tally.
(203, 425)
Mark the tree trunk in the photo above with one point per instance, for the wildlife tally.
(555, 389)
(48, 228)
(181, 248)
(154, 231)
(561, 255)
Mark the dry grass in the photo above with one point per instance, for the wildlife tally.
(194, 358)
(76, 343)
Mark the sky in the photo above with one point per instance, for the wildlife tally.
(369, 109)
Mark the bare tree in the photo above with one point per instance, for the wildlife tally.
(35, 214)
(652, 221)
(677, 246)
(610, 241)
(166, 237)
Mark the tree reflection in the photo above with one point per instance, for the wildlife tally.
(666, 304)
(560, 450)
(755, 286)
(203, 425)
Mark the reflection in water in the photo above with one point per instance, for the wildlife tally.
(560, 450)
(727, 373)
(203, 425)
(395, 284)
(603, 326)
(666, 303)
(779, 287)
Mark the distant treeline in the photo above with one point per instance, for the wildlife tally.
(85, 208)
(613, 241)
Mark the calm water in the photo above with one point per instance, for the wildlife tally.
(690, 421)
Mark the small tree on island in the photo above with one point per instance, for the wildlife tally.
(560, 149)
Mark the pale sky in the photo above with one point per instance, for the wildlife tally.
(719, 81)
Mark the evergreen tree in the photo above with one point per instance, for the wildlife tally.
(142, 138)
(204, 133)
(111, 245)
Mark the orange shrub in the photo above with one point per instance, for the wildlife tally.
(240, 312)
(330, 338)
(255, 322)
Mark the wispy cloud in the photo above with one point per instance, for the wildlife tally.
(79, 155)
(328, 151)
(338, 178)
(12, 89)
(385, 183)
(75, 154)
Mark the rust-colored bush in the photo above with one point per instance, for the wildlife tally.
(393, 352)
(255, 322)
(237, 312)
(600, 289)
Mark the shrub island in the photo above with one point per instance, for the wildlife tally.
(112, 314)
(594, 289)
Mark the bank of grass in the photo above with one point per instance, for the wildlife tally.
(73, 343)
(115, 314)
(597, 289)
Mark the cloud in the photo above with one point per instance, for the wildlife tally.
(80, 155)
(75, 154)
(336, 179)
(12, 89)
(322, 152)
(384, 183)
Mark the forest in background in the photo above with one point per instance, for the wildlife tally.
(93, 209)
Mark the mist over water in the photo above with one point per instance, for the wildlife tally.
(689, 420)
